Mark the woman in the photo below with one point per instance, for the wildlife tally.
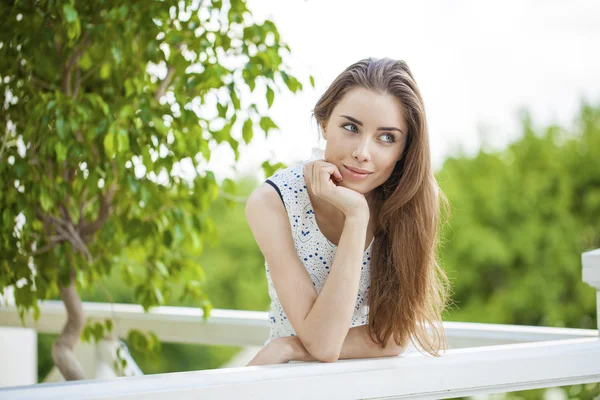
(350, 241)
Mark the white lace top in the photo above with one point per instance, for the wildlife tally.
(314, 250)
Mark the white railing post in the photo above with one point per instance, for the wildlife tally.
(18, 356)
(591, 275)
(18, 349)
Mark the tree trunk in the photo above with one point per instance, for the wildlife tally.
(62, 350)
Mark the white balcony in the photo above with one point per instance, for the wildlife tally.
(483, 358)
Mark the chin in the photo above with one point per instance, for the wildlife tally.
(363, 189)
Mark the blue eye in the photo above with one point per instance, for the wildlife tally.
(392, 138)
(345, 125)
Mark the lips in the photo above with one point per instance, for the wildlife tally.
(358, 170)
(357, 173)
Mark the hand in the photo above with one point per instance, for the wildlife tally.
(277, 351)
(325, 178)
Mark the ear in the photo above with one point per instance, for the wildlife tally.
(324, 131)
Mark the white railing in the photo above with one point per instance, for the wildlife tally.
(483, 358)
(460, 372)
(251, 328)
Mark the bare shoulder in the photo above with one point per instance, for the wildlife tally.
(264, 198)
(265, 213)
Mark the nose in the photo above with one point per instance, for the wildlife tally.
(361, 151)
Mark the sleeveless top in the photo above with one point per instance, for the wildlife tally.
(314, 250)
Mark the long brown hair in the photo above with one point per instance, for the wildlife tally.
(409, 289)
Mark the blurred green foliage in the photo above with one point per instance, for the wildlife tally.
(521, 218)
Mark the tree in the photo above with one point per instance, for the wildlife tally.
(102, 108)
(521, 217)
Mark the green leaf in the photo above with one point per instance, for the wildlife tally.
(98, 331)
(85, 62)
(162, 268)
(122, 141)
(196, 241)
(223, 134)
(61, 152)
(70, 13)
(60, 128)
(86, 334)
(158, 295)
(105, 71)
(266, 124)
(312, 80)
(109, 143)
(74, 29)
(167, 238)
(270, 96)
(37, 225)
(222, 109)
(247, 132)
(291, 82)
(234, 99)
(109, 325)
(229, 186)
(205, 150)
(46, 201)
(160, 126)
(270, 169)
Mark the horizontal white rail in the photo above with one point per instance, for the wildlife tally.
(460, 372)
(171, 324)
(251, 328)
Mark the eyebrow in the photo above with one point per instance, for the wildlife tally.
(383, 128)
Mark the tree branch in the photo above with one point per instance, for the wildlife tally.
(43, 84)
(82, 203)
(53, 242)
(68, 69)
(67, 231)
(165, 83)
(77, 82)
(105, 207)
(62, 350)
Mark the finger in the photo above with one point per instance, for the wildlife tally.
(332, 169)
(326, 177)
(321, 178)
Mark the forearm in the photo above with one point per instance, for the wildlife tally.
(330, 315)
(357, 344)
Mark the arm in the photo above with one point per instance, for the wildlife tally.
(332, 311)
(320, 321)
(358, 344)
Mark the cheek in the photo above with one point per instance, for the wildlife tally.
(386, 172)
(335, 149)
(388, 165)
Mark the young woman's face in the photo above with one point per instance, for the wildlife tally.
(366, 131)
